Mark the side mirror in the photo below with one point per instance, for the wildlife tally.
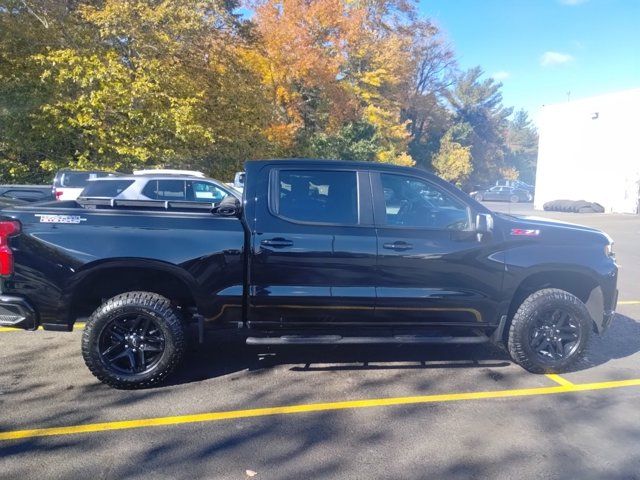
(484, 223)
(228, 207)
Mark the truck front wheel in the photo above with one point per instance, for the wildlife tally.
(549, 332)
(134, 340)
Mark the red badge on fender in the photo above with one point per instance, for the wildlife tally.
(525, 232)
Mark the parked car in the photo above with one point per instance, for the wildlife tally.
(26, 193)
(169, 171)
(519, 184)
(68, 184)
(158, 187)
(320, 252)
(502, 194)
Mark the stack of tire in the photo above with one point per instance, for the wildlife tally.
(573, 206)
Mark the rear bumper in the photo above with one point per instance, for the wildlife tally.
(16, 312)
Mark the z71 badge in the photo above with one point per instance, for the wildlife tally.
(61, 218)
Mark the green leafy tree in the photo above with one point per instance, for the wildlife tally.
(478, 103)
(27, 28)
(354, 141)
(522, 142)
(124, 83)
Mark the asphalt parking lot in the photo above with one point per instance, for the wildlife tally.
(395, 412)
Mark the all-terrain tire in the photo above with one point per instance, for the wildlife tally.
(524, 321)
(164, 317)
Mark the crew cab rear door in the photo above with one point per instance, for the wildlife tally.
(432, 269)
(313, 247)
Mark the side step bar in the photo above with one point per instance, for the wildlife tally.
(338, 340)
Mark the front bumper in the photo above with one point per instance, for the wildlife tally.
(596, 306)
(16, 312)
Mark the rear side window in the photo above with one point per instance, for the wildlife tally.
(78, 179)
(165, 190)
(106, 188)
(318, 196)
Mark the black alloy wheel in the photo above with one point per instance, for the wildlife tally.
(134, 340)
(131, 344)
(549, 332)
(554, 335)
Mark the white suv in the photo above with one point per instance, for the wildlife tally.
(159, 187)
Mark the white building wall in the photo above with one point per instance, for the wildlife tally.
(590, 150)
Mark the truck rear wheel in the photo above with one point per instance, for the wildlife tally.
(549, 332)
(134, 340)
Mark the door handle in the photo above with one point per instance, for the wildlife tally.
(399, 245)
(277, 243)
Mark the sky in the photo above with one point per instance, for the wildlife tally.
(542, 49)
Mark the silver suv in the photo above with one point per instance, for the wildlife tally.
(159, 187)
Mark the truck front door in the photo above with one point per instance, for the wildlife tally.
(432, 270)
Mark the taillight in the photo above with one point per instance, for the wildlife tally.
(57, 193)
(7, 229)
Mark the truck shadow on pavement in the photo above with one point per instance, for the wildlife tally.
(214, 359)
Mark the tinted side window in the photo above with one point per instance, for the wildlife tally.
(150, 189)
(26, 194)
(412, 202)
(207, 192)
(318, 196)
(106, 188)
(74, 179)
(165, 190)
(77, 179)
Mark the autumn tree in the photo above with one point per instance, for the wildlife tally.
(453, 162)
(119, 84)
(141, 82)
(432, 75)
(27, 28)
(329, 65)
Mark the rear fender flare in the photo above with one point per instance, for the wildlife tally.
(103, 266)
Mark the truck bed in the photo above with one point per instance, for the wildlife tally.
(65, 244)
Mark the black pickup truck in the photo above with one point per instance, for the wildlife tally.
(318, 252)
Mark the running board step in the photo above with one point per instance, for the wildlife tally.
(338, 340)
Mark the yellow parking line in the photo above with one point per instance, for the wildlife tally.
(629, 302)
(76, 326)
(559, 380)
(309, 408)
